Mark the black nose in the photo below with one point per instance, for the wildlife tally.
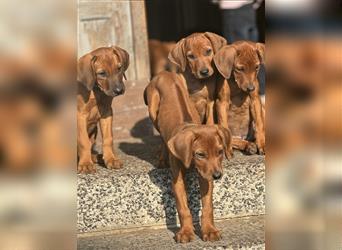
(217, 175)
(250, 88)
(204, 72)
(119, 91)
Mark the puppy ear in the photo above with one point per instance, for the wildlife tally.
(123, 57)
(226, 139)
(180, 146)
(216, 41)
(177, 55)
(85, 71)
(261, 51)
(224, 60)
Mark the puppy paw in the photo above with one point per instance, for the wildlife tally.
(86, 168)
(261, 148)
(185, 235)
(113, 163)
(260, 142)
(251, 148)
(211, 233)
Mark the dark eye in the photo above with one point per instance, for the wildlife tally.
(257, 67)
(208, 52)
(101, 73)
(220, 151)
(200, 155)
(191, 56)
(119, 67)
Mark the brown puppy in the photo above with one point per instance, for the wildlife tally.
(159, 52)
(175, 117)
(239, 64)
(194, 57)
(100, 78)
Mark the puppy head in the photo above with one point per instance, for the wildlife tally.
(197, 51)
(243, 60)
(204, 146)
(106, 68)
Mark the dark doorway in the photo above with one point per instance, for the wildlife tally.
(170, 20)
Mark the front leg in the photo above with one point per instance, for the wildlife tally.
(110, 159)
(257, 114)
(85, 163)
(186, 232)
(210, 113)
(222, 102)
(208, 229)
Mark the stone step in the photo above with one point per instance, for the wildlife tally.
(140, 194)
(237, 233)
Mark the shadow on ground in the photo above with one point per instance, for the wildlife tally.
(147, 147)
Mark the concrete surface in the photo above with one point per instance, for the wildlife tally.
(140, 194)
(238, 233)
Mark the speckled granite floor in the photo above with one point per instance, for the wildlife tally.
(140, 194)
(238, 233)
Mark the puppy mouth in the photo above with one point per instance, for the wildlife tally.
(199, 76)
(208, 177)
(112, 93)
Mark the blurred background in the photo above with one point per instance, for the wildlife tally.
(304, 124)
(38, 125)
(40, 42)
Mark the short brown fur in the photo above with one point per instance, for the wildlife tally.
(177, 120)
(100, 78)
(194, 56)
(159, 52)
(239, 64)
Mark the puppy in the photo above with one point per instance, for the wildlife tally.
(159, 52)
(100, 78)
(239, 64)
(194, 57)
(177, 120)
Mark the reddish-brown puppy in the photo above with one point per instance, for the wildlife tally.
(177, 120)
(159, 52)
(100, 78)
(194, 57)
(239, 64)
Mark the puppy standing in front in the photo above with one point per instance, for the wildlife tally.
(100, 76)
(175, 117)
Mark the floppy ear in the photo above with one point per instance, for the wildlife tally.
(177, 55)
(226, 139)
(123, 57)
(85, 71)
(180, 146)
(216, 41)
(261, 51)
(224, 60)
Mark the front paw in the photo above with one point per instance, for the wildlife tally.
(210, 233)
(251, 148)
(185, 235)
(261, 147)
(113, 163)
(86, 167)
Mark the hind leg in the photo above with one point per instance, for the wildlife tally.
(245, 146)
(164, 156)
(92, 136)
